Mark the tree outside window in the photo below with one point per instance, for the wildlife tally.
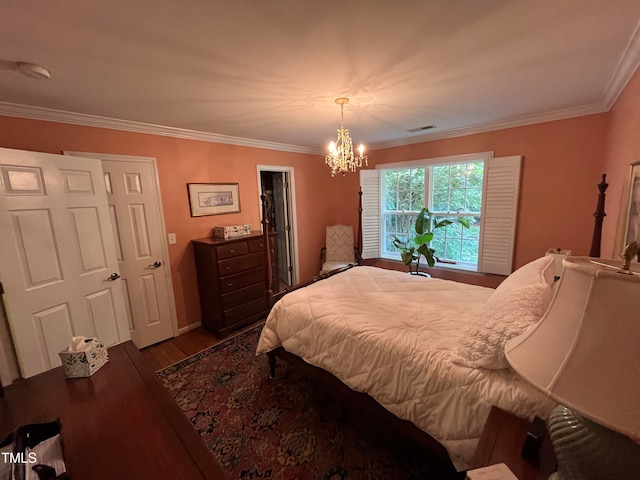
(448, 190)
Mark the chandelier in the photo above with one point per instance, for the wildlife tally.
(341, 158)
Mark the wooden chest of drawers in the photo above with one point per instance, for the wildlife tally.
(231, 280)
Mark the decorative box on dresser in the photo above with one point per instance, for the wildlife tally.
(231, 280)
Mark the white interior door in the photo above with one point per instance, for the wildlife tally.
(139, 236)
(136, 217)
(58, 263)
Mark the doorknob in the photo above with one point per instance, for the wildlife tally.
(113, 276)
(155, 264)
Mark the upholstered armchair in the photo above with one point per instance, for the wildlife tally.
(339, 250)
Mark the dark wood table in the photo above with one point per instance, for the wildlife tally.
(119, 423)
(502, 440)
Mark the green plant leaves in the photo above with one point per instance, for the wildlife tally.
(412, 248)
(422, 221)
(423, 238)
(427, 253)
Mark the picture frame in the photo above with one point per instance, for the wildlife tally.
(631, 229)
(213, 198)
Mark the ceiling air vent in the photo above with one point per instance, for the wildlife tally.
(421, 129)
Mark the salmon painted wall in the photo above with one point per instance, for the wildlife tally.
(623, 149)
(562, 164)
(320, 199)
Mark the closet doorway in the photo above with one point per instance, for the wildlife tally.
(277, 183)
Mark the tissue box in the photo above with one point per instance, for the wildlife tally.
(86, 362)
(232, 231)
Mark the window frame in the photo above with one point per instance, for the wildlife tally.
(428, 188)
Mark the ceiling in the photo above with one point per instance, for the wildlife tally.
(267, 72)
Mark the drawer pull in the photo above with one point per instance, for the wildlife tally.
(228, 267)
(229, 284)
(232, 251)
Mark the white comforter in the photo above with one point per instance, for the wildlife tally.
(390, 334)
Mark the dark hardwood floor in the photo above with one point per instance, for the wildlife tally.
(166, 353)
(178, 348)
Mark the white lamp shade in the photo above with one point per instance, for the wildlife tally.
(585, 351)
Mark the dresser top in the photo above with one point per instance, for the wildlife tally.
(214, 240)
(115, 424)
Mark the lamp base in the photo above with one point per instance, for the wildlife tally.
(588, 451)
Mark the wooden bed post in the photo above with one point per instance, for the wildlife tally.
(270, 296)
(359, 255)
(271, 358)
(597, 229)
(268, 272)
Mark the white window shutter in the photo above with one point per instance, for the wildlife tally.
(370, 184)
(499, 212)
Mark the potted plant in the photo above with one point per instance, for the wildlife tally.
(412, 248)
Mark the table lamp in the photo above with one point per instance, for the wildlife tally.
(585, 354)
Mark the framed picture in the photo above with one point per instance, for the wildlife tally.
(632, 219)
(213, 198)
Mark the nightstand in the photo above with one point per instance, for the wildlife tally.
(501, 441)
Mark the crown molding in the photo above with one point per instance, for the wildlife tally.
(51, 115)
(627, 66)
(47, 114)
(499, 125)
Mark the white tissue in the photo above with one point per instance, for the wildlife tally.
(79, 344)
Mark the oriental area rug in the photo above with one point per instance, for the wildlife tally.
(283, 428)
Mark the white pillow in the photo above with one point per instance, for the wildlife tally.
(540, 271)
(500, 319)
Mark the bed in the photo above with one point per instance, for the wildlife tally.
(422, 353)
(395, 337)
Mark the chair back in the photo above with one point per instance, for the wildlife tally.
(339, 243)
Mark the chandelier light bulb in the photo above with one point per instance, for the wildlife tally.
(341, 158)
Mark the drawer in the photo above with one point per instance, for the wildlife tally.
(231, 250)
(240, 313)
(235, 298)
(233, 265)
(235, 282)
(256, 245)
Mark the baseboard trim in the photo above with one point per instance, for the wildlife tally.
(188, 328)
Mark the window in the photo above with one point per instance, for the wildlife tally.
(450, 190)
(475, 186)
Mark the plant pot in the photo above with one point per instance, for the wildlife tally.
(420, 274)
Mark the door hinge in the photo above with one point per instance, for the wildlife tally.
(287, 228)
(290, 268)
(285, 185)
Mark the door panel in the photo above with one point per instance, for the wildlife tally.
(136, 220)
(85, 224)
(53, 330)
(56, 256)
(33, 234)
(103, 315)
